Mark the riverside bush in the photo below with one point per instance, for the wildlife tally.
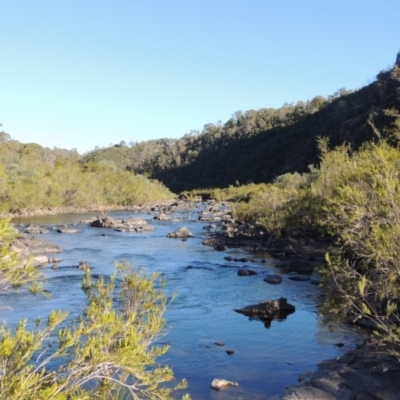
(108, 352)
(363, 214)
(354, 198)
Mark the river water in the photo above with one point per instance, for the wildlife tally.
(265, 360)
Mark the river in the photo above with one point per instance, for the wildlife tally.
(265, 360)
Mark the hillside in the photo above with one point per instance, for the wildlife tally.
(257, 146)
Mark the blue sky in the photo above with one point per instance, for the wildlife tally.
(85, 73)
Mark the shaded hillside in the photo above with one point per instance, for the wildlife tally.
(259, 145)
(352, 118)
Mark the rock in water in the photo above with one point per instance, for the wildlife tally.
(273, 278)
(268, 311)
(180, 233)
(219, 384)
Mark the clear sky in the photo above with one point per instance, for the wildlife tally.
(86, 73)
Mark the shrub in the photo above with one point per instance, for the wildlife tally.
(109, 351)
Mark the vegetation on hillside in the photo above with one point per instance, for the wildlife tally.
(259, 145)
(33, 177)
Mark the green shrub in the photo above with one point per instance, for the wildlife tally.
(109, 351)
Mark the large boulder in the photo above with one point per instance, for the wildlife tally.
(34, 245)
(268, 310)
(180, 233)
(32, 249)
(162, 217)
(104, 222)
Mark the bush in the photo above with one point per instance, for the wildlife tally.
(110, 351)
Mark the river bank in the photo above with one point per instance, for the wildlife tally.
(103, 209)
(369, 372)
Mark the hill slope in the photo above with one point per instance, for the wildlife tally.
(257, 146)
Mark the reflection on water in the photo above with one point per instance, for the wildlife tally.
(208, 289)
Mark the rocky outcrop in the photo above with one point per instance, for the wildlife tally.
(33, 249)
(35, 229)
(370, 372)
(121, 225)
(27, 244)
(104, 222)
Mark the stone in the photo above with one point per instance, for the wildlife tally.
(180, 233)
(219, 384)
(39, 261)
(289, 250)
(84, 265)
(104, 222)
(220, 247)
(273, 278)
(35, 229)
(162, 217)
(67, 230)
(268, 310)
(246, 272)
(135, 221)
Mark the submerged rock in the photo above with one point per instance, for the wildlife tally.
(67, 230)
(299, 278)
(219, 384)
(246, 272)
(273, 278)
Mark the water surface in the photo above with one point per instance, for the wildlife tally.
(265, 360)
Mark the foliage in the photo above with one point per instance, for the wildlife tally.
(257, 146)
(108, 352)
(353, 198)
(32, 177)
(363, 214)
(12, 274)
